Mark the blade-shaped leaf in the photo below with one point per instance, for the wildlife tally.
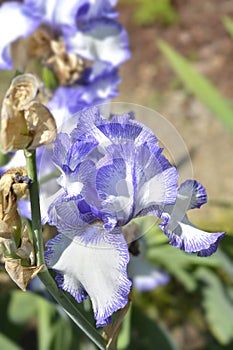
(218, 305)
(198, 85)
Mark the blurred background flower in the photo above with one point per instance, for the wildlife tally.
(78, 46)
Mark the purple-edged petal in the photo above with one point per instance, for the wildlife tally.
(144, 275)
(192, 193)
(93, 264)
(14, 23)
(119, 129)
(184, 235)
(96, 9)
(104, 40)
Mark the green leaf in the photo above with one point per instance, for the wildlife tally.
(22, 307)
(123, 340)
(198, 85)
(7, 344)
(228, 24)
(45, 313)
(218, 305)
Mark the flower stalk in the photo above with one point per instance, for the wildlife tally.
(30, 156)
(60, 296)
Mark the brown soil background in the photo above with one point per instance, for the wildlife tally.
(148, 80)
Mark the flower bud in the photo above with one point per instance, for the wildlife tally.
(25, 122)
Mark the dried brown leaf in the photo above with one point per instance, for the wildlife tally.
(20, 274)
(25, 121)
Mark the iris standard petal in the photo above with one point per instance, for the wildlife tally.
(93, 264)
(132, 181)
(184, 235)
(119, 129)
(14, 23)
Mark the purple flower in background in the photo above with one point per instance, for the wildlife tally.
(79, 41)
(112, 171)
(181, 232)
(145, 276)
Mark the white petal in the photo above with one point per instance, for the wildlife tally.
(184, 235)
(94, 264)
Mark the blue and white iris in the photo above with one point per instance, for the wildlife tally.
(111, 172)
(86, 28)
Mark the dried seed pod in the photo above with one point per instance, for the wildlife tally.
(13, 186)
(25, 122)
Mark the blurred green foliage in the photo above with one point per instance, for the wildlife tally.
(198, 85)
(147, 12)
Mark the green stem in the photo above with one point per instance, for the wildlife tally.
(35, 206)
(44, 275)
(71, 310)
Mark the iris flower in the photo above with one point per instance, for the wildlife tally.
(80, 41)
(112, 171)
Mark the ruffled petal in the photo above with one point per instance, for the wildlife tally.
(184, 235)
(93, 264)
(103, 40)
(119, 129)
(12, 13)
(192, 193)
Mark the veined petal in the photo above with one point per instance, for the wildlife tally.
(94, 264)
(145, 276)
(62, 143)
(184, 235)
(104, 40)
(192, 193)
(132, 180)
(119, 129)
(12, 13)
